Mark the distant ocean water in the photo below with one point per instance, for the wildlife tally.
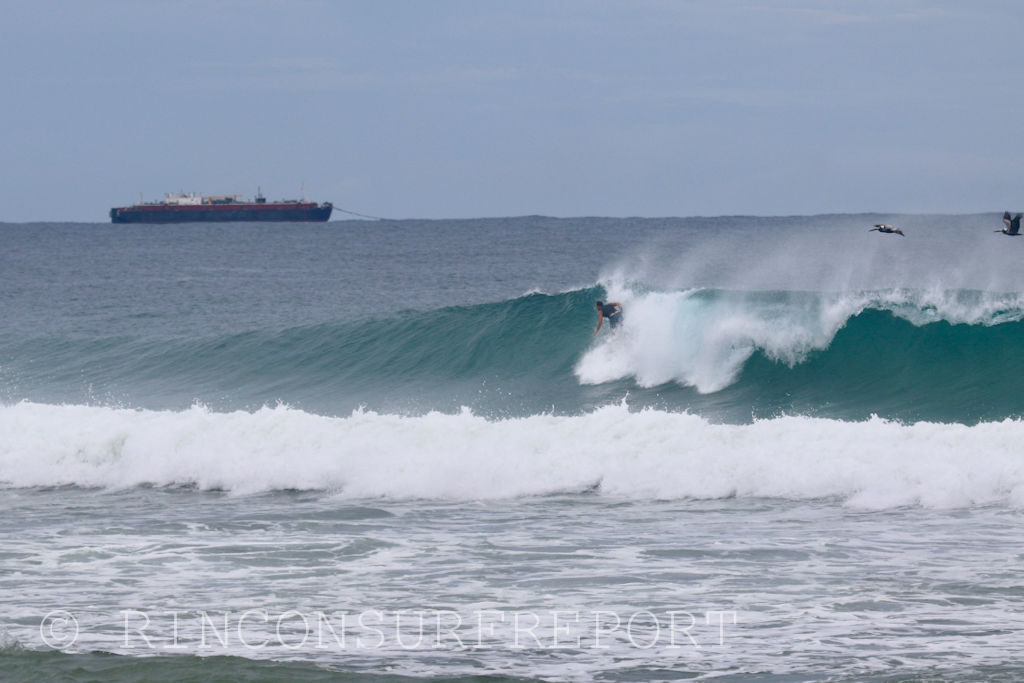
(800, 458)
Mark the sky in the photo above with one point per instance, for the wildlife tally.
(480, 108)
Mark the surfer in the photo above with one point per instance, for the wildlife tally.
(607, 310)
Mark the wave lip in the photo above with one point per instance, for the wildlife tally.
(648, 454)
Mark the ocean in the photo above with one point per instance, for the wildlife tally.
(396, 451)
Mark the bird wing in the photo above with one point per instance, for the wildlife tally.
(1015, 224)
(1006, 219)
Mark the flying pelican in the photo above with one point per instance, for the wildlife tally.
(1012, 224)
(882, 227)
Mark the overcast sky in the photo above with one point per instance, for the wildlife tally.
(450, 109)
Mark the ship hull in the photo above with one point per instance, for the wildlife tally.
(223, 213)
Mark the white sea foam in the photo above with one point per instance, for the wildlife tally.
(702, 338)
(647, 454)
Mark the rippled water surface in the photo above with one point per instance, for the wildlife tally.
(396, 451)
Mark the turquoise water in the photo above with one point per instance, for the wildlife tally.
(899, 355)
(801, 452)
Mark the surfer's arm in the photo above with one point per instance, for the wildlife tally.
(600, 320)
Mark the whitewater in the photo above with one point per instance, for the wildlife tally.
(649, 454)
(809, 430)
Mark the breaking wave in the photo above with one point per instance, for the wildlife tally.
(613, 451)
(944, 356)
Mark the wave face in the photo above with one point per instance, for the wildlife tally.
(505, 356)
(648, 454)
(726, 355)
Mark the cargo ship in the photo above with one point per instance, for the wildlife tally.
(188, 207)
